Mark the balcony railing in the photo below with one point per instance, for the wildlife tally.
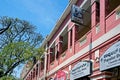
(113, 19)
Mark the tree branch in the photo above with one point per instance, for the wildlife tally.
(12, 67)
(4, 29)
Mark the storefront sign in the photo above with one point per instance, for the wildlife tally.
(111, 58)
(61, 75)
(81, 69)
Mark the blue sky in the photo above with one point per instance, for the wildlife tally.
(41, 13)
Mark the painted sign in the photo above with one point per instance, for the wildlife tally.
(81, 69)
(61, 75)
(111, 57)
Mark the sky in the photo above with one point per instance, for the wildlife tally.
(41, 13)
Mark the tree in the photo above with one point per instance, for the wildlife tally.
(19, 43)
(8, 78)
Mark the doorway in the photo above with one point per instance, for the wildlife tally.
(115, 73)
(83, 78)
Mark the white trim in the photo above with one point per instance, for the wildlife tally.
(94, 44)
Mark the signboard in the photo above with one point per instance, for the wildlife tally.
(61, 75)
(111, 58)
(81, 69)
(76, 14)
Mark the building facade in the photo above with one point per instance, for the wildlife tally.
(84, 44)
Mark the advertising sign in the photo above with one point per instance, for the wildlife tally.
(111, 57)
(61, 75)
(81, 69)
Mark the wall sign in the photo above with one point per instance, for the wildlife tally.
(81, 69)
(111, 57)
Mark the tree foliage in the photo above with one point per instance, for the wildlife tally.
(19, 43)
(8, 78)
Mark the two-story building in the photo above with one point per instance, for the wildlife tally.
(84, 44)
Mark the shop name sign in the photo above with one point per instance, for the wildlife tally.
(111, 57)
(81, 69)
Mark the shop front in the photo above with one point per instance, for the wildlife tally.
(110, 61)
(81, 71)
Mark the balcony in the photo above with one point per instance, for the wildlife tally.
(113, 19)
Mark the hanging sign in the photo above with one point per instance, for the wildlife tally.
(76, 14)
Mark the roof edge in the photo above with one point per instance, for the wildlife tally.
(58, 23)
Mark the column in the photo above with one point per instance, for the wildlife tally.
(102, 16)
(49, 52)
(94, 12)
(35, 73)
(45, 65)
(31, 76)
(74, 35)
(38, 70)
(69, 32)
(60, 44)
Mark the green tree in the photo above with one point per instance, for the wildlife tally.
(19, 44)
(8, 78)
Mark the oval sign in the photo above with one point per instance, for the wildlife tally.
(61, 75)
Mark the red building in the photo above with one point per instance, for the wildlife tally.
(84, 44)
